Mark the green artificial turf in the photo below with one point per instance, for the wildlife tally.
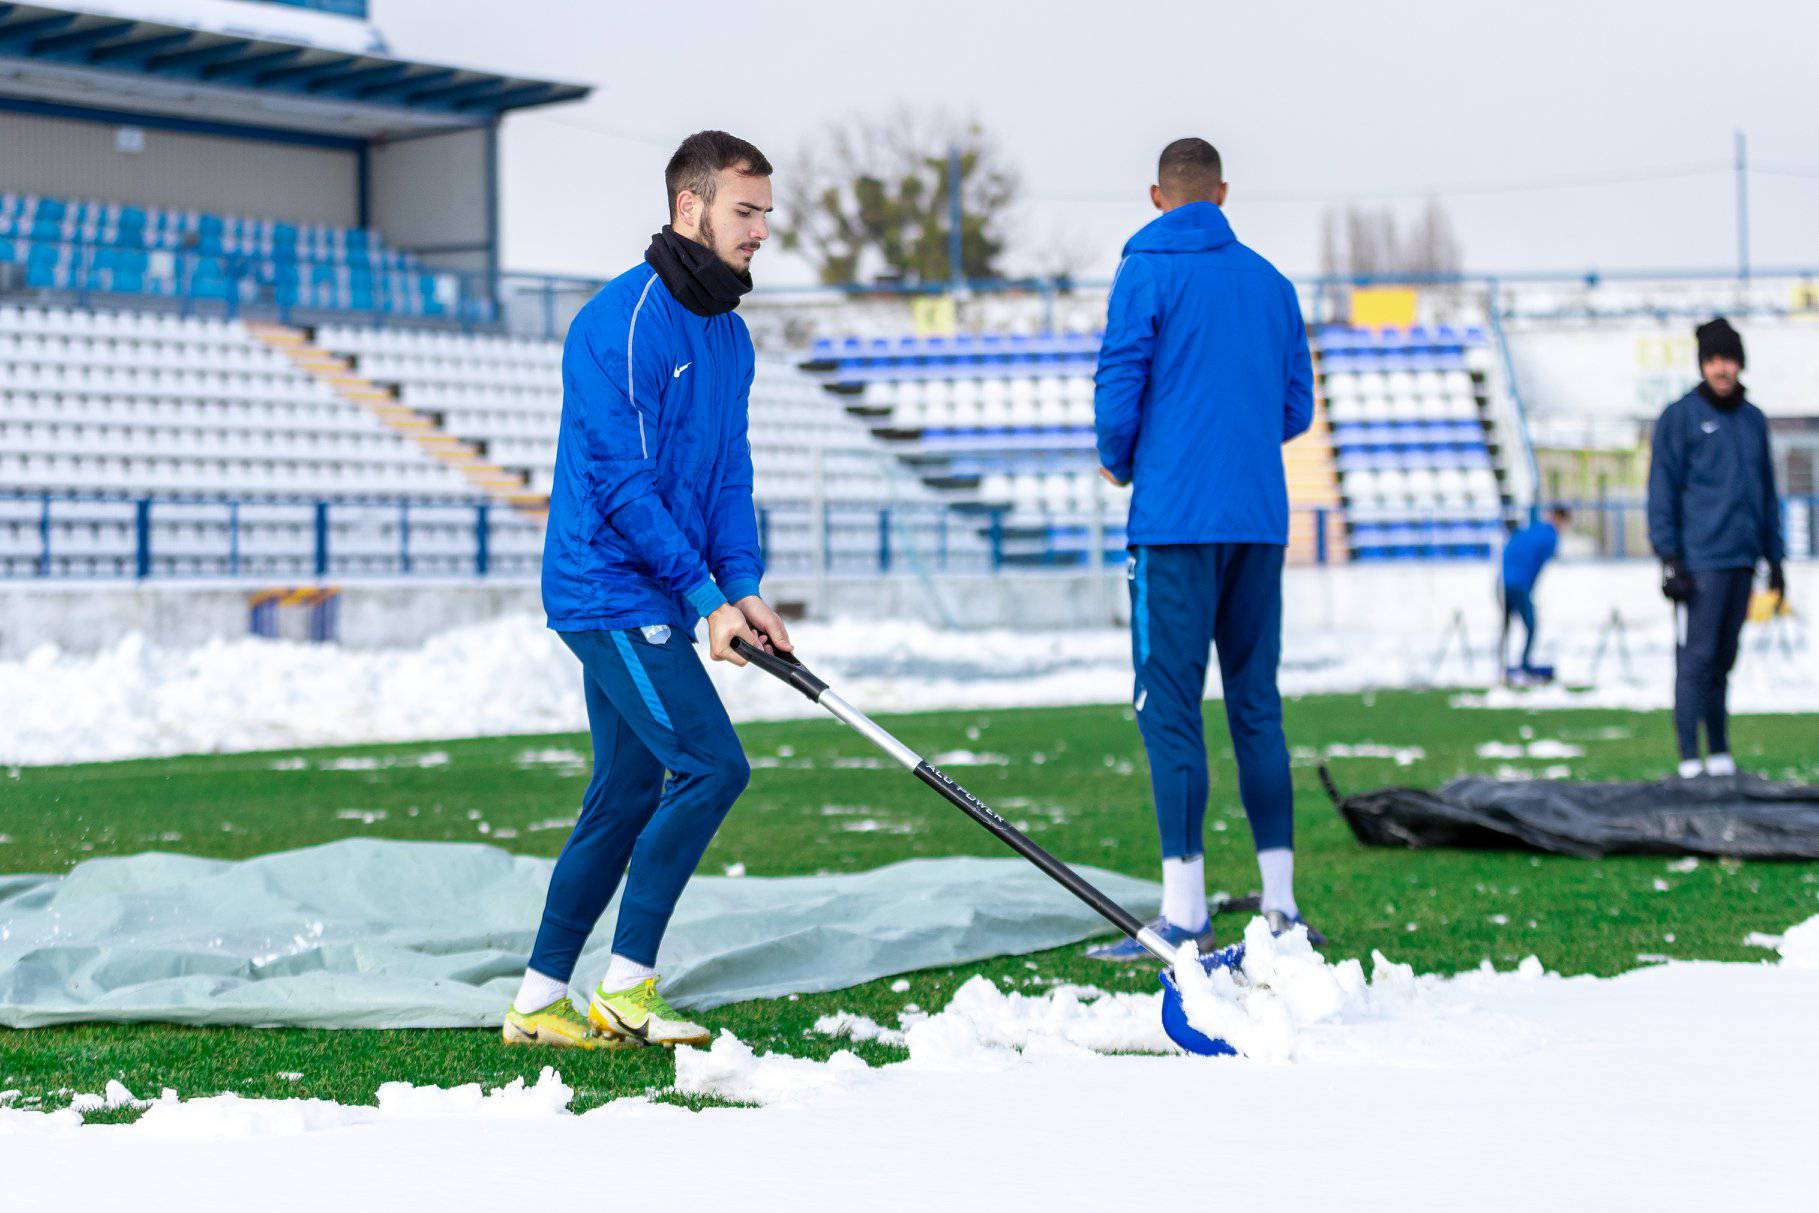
(1074, 778)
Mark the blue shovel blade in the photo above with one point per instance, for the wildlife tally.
(1174, 1016)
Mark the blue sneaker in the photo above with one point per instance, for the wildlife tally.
(1125, 951)
(1280, 922)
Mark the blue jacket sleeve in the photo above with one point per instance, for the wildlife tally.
(1666, 480)
(1774, 540)
(1298, 404)
(617, 377)
(1121, 382)
(732, 530)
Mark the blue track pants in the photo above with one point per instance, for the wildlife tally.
(1710, 633)
(1520, 604)
(651, 709)
(1186, 598)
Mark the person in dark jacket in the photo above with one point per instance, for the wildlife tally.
(652, 528)
(1525, 554)
(1713, 514)
(1203, 375)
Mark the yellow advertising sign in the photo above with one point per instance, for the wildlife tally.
(934, 315)
(1382, 307)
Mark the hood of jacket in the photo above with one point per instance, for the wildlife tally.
(1198, 227)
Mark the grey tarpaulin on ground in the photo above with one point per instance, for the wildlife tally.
(1740, 815)
(376, 934)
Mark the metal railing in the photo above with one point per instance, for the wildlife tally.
(1618, 526)
(150, 536)
(74, 534)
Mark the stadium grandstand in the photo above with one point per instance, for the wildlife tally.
(255, 329)
(240, 340)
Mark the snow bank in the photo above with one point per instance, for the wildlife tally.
(512, 675)
(1412, 1089)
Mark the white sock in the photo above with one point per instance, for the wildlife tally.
(537, 992)
(623, 974)
(1184, 892)
(1720, 764)
(1691, 767)
(1277, 865)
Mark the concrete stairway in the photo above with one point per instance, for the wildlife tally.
(463, 456)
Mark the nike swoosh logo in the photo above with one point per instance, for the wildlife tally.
(641, 1033)
(677, 373)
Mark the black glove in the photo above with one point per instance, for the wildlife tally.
(1777, 581)
(1675, 582)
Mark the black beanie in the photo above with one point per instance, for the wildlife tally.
(1717, 339)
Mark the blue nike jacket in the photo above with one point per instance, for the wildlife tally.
(651, 518)
(1526, 553)
(1203, 375)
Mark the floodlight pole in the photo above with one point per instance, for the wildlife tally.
(956, 269)
(1743, 209)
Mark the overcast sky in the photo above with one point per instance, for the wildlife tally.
(1312, 104)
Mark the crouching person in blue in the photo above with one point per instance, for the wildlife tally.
(1525, 554)
(651, 529)
(1713, 515)
(1203, 375)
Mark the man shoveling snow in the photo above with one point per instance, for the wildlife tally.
(651, 528)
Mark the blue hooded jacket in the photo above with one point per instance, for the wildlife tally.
(651, 518)
(1527, 552)
(1203, 375)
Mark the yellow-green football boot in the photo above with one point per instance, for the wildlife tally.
(558, 1025)
(639, 1016)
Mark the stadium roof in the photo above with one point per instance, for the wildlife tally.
(58, 57)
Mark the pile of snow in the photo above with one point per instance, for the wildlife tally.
(1412, 1088)
(513, 675)
(219, 1117)
(1799, 948)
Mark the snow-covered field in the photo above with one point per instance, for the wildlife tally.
(514, 676)
(1681, 1086)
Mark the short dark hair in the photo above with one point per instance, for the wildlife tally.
(1563, 513)
(1190, 169)
(705, 153)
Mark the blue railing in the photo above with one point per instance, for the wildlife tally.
(71, 534)
(1618, 527)
(538, 304)
(109, 535)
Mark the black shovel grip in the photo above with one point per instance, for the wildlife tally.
(782, 666)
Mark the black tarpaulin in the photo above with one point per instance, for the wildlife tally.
(1741, 816)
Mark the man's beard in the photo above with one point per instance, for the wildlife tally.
(713, 245)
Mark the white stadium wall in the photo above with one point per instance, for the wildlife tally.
(78, 159)
(1632, 369)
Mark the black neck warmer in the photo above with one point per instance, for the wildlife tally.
(1722, 403)
(700, 281)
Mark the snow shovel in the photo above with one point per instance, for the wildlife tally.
(1174, 1019)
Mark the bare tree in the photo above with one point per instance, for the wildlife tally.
(869, 198)
(1358, 242)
